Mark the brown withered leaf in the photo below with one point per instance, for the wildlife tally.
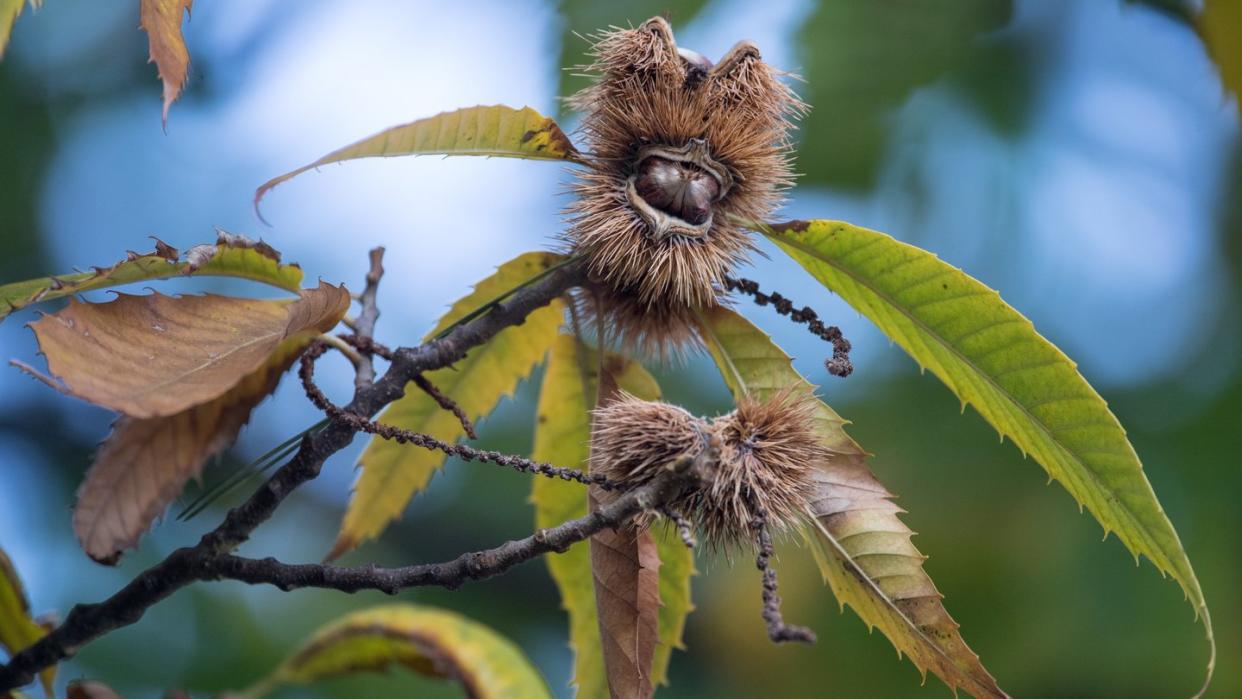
(625, 565)
(146, 461)
(161, 20)
(155, 355)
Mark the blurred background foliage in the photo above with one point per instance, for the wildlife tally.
(1081, 157)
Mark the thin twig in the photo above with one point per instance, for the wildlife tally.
(362, 424)
(369, 346)
(839, 364)
(364, 325)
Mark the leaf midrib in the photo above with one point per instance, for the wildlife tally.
(212, 361)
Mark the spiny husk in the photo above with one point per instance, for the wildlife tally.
(656, 330)
(632, 439)
(767, 451)
(646, 94)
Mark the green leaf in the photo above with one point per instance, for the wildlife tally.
(991, 357)
(231, 256)
(17, 629)
(392, 473)
(864, 59)
(562, 436)
(433, 642)
(1220, 25)
(863, 549)
(493, 131)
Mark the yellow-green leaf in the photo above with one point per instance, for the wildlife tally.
(9, 12)
(230, 256)
(1220, 25)
(991, 357)
(392, 473)
(17, 629)
(862, 547)
(676, 569)
(433, 642)
(562, 437)
(493, 131)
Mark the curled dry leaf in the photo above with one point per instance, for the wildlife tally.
(161, 20)
(625, 565)
(17, 629)
(432, 642)
(185, 372)
(230, 256)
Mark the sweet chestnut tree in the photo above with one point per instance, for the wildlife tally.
(680, 165)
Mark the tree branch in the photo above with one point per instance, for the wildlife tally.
(364, 327)
(665, 488)
(86, 622)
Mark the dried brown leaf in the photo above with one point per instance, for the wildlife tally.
(625, 565)
(156, 356)
(161, 20)
(146, 461)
